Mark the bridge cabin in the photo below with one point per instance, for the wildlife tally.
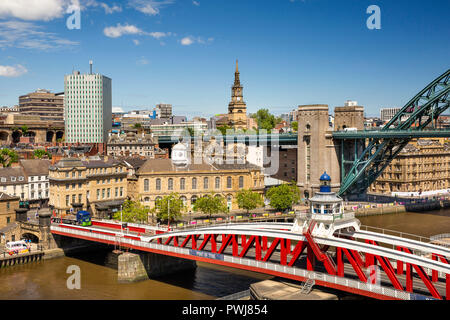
(327, 211)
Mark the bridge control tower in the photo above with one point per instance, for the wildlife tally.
(326, 215)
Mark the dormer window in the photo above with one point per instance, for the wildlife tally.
(13, 178)
(3, 179)
(20, 178)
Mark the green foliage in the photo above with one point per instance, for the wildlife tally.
(132, 211)
(249, 200)
(7, 157)
(223, 129)
(284, 196)
(24, 129)
(39, 153)
(137, 126)
(294, 126)
(190, 131)
(210, 205)
(170, 206)
(265, 119)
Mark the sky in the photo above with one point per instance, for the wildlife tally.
(183, 52)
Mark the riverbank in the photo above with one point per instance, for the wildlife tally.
(370, 209)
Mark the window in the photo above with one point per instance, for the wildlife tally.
(98, 194)
(80, 196)
(121, 191)
(73, 198)
(67, 174)
(241, 182)
(217, 183)
(158, 184)
(7, 205)
(170, 184)
(182, 184)
(108, 193)
(146, 185)
(205, 183)
(194, 183)
(103, 193)
(116, 192)
(146, 199)
(73, 174)
(193, 199)
(229, 182)
(183, 198)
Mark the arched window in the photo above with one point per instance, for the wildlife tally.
(194, 183)
(241, 182)
(205, 183)
(182, 184)
(157, 202)
(193, 199)
(170, 184)
(158, 184)
(217, 183)
(146, 185)
(229, 182)
(146, 199)
(183, 198)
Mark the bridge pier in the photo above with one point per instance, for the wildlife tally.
(144, 265)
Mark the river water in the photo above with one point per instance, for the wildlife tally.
(47, 279)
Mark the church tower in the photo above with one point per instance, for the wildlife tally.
(237, 109)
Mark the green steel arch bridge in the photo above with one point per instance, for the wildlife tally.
(374, 150)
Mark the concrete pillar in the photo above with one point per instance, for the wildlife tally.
(144, 265)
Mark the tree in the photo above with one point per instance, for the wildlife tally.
(223, 129)
(7, 157)
(211, 205)
(169, 207)
(265, 119)
(132, 211)
(249, 200)
(24, 129)
(137, 126)
(284, 196)
(39, 153)
(294, 125)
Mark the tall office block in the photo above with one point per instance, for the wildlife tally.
(87, 107)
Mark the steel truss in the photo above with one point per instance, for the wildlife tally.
(372, 156)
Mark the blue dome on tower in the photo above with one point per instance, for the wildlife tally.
(325, 177)
(325, 180)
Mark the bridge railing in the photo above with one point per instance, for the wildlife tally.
(400, 234)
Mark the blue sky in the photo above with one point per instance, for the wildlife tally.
(183, 52)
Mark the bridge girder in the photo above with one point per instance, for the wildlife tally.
(419, 112)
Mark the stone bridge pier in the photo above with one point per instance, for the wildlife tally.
(138, 266)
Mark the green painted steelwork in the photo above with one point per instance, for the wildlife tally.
(380, 147)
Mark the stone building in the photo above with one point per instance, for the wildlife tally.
(317, 151)
(8, 205)
(36, 171)
(98, 184)
(422, 168)
(157, 178)
(131, 143)
(237, 109)
(49, 106)
(14, 182)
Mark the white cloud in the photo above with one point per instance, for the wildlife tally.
(149, 7)
(142, 61)
(136, 42)
(119, 30)
(187, 41)
(12, 71)
(195, 3)
(33, 9)
(110, 10)
(28, 35)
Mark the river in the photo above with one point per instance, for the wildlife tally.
(47, 279)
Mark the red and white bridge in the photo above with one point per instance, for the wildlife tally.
(339, 258)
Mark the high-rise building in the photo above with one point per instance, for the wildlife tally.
(88, 107)
(164, 111)
(237, 109)
(386, 114)
(43, 103)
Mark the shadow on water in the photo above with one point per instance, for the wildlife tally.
(214, 280)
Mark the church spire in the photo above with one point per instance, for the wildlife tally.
(237, 69)
(237, 82)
